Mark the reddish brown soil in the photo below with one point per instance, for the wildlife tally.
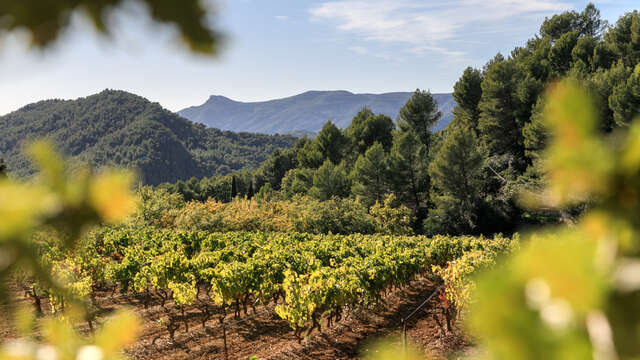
(265, 335)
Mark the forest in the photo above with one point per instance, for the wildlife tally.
(116, 128)
(467, 178)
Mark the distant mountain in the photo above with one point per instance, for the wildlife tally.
(123, 129)
(306, 112)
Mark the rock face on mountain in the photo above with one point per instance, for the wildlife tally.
(121, 129)
(306, 112)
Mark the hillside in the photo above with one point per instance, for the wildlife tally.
(123, 129)
(304, 112)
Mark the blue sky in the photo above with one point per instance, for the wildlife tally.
(278, 48)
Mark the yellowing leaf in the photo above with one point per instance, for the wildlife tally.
(110, 194)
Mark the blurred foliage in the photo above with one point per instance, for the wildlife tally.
(63, 202)
(46, 20)
(572, 292)
(391, 350)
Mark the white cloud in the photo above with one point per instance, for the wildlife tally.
(425, 26)
(282, 17)
(361, 50)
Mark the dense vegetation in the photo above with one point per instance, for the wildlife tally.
(121, 129)
(465, 179)
(309, 278)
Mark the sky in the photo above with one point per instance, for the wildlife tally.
(279, 48)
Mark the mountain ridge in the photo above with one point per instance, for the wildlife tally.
(304, 112)
(118, 128)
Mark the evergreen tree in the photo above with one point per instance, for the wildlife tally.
(456, 174)
(250, 192)
(309, 156)
(330, 142)
(560, 56)
(329, 181)
(535, 133)
(234, 187)
(467, 92)
(3, 168)
(370, 175)
(366, 129)
(502, 114)
(408, 165)
(625, 99)
(297, 181)
(276, 165)
(419, 114)
(624, 38)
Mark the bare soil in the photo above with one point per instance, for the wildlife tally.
(263, 334)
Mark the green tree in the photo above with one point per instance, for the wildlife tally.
(408, 165)
(560, 24)
(456, 174)
(584, 51)
(625, 99)
(330, 180)
(46, 20)
(250, 192)
(502, 114)
(274, 168)
(308, 155)
(602, 84)
(370, 175)
(467, 92)
(586, 23)
(330, 142)
(560, 56)
(419, 114)
(535, 133)
(234, 187)
(624, 38)
(3, 168)
(366, 129)
(297, 181)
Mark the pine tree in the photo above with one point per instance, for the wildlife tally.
(330, 142)
(625, 100)
(408, 165)
(502, 113)
(456, 174)
(329, 181)
(370, 175)
(3, 168)
(467, 92)
(419, 114)
(366, 129)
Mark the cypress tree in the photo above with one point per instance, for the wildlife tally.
(234, 188)
(250, 191)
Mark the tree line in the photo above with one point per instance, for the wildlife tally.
(467, 178)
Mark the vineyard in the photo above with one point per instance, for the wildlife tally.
(181, 280)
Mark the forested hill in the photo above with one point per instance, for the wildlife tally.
(304, 112)
(123, 129)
